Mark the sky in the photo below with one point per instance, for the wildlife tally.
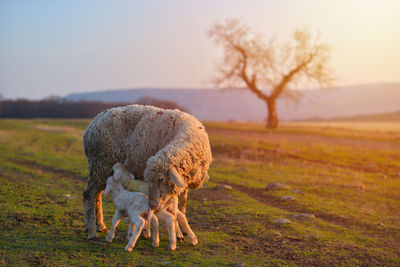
(60, 47)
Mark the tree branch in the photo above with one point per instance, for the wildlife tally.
(277, 91)
(251, 83)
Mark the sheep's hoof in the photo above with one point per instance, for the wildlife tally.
(180, 238)
(92, 236)
(128, 248)
(156, 244)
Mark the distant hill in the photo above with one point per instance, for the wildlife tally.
(390, 116)
(222, 105)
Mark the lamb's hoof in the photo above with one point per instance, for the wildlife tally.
(108, 240)
(172, 246)
(180, 239)
(194, 241)
(146, 235)
(156, 244)
(128, 248)
(102, 229)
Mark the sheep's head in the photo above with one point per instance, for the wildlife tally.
(113, 184)
(160, 187)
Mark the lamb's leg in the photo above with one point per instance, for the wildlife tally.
(179, 235)
(154, 231)
(99, 213)
(182, 201)
(173, 208)
(131, 228)
(89, 200)
(169, 220)
(139, 223)
(146, 232)
(181, 218)
(115, 222)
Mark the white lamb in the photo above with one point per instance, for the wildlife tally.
(134, 205)
(131, 184)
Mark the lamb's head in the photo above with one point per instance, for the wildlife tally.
(121, 173)
(160, 187)
(113, 185)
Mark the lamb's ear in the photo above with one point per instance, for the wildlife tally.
(106, 191)
(131, 176)
(117, 175)
(175, 177)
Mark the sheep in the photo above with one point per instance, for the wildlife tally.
(133, 185)
(152, 143)
(135, 205)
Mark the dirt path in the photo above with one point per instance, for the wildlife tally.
(59, 172)
(260, 195)
(264, 155)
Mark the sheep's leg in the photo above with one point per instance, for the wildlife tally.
(169, 220)
(99, 213)
(139, 223)
(89, 200)
(182, 201)
(115, 221)
(85, 192)
(181, 218)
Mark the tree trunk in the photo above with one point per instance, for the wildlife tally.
(272, 116)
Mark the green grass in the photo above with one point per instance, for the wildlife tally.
(349, 179)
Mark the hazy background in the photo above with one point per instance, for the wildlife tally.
(61, 47)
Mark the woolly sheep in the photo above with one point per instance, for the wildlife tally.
(131, 184)
(156, 145)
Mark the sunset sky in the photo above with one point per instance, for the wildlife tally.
(60, 47)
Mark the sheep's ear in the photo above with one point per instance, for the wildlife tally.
(175, 177)
(132, 176)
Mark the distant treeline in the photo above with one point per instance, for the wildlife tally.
(56, 108)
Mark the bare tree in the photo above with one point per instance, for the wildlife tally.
(267, 69)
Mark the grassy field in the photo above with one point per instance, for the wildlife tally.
(347, 177)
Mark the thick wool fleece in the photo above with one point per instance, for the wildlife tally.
(149, 141)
